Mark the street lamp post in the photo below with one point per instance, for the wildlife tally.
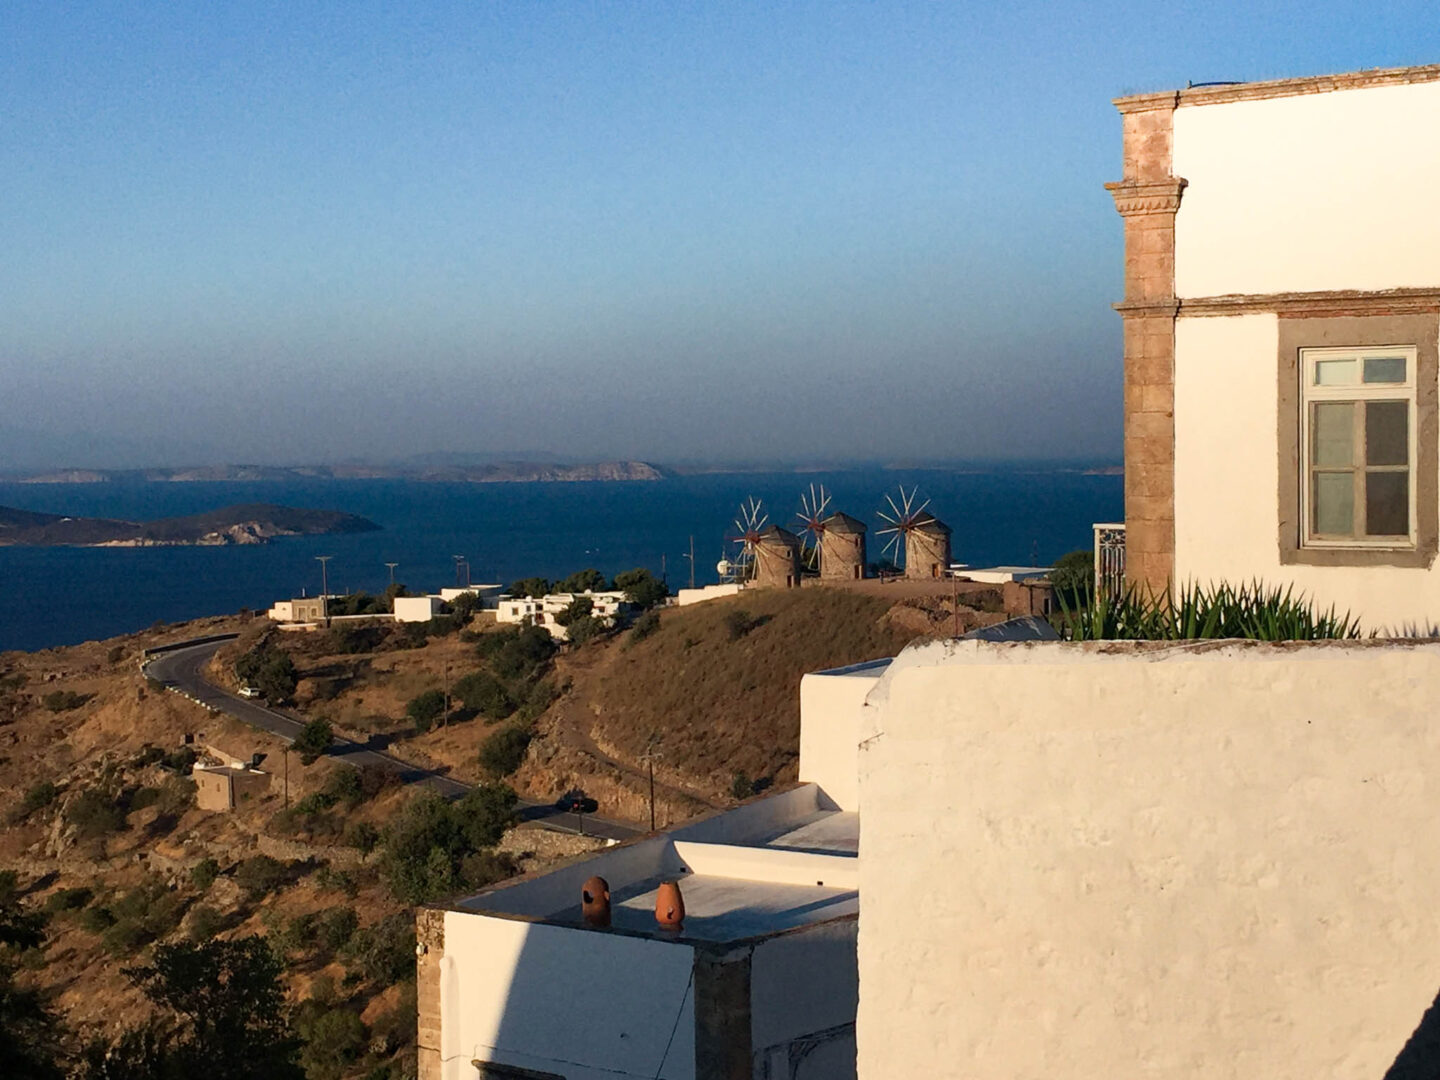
(324, 560)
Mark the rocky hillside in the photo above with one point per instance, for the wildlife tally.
(254, 523)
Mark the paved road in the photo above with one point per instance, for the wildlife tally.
(184, 670)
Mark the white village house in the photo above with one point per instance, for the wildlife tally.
(542, 610)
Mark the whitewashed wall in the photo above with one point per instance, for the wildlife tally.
(584, 1005)
(1192, 863)
(830, 710)
(804, 986)
(1227, 480)
(1314, 192)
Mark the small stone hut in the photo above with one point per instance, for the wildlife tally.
(842, 548)
(927, 548)
(777, 558)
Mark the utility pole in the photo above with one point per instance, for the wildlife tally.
(392, 566)
(691, 557)
(955, 600)
(324, 587)
(663, 575)
(459, 562)
(651, 753)
(445, 718)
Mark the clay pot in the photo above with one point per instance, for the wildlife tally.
(595, 901)
(669, 905)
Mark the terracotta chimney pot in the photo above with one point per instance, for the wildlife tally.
(669, 905)
(595, 901)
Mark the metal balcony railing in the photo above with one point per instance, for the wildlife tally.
(1110, 558)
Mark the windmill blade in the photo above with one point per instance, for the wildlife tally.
(920, 511)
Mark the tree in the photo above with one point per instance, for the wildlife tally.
(424, 709)
(589, 580)
(277, 677)
(229, 1006)
(517, 654)
(579, 608)
(486, 694)
(314, 739)
(530, 586)
(333, 1040)
(642, 588)
(586, 628)
(426, 843)
(29, 1033)
(503, 751)
(1074, 575)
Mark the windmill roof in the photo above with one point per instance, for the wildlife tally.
(775, 534)
(929, 523)
(838, 522)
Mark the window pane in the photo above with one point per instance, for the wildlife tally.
(1332, 433)
(1387, 503)
(1384, 369)
(1333, 504)
(1387, 433)
(1334, 372)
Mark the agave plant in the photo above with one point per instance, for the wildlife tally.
(1253, 610)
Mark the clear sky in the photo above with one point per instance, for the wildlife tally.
(288, 232)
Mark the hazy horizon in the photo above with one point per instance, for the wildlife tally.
(718, 232)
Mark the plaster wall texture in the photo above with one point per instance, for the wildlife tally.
(830, 732)
(686, 597)
(1227, 480)
(1212, 861)
(801, 984)
(1319, 192)
(772, 865)
(570, 996)
(416, 608)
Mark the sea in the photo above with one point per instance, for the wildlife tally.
(502, 532)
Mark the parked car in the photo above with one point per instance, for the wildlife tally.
(250, 691)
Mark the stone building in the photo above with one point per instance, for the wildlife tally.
(927, 548)
(842, 548)
(1282, 303)
(777, 558)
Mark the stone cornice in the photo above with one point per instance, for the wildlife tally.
(1339, 302)
(1254, 91)
(1147, 196)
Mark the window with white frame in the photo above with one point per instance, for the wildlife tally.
(1358, 446)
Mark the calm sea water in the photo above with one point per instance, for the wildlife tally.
(58, 596)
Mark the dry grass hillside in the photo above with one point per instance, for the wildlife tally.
(98, 821)
(718, 684)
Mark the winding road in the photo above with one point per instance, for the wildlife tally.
(182, 669)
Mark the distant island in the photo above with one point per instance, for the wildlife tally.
(508, 472)
(254, 523)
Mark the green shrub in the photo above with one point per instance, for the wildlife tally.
(125, 938)
(383, 953)
(503, 751)
(148, 755)
(64, 700)
(645, 624)
(204, 873)
(181, 760)
(516, 654)
(741, 786)
(314, 739)
(425, 709)
(260, 875)
(586, 628)
(485, 694)
(362, 836)
(115, 655)
(484, 868)
(1253, 611)
(578, 608)
(146, 796)
(334, 927)
(63, 900)
(738, 623)
(328, 879)
(333, 1041)
(36, 798)
(95, 919)
(204, 923)
(541, 696)
(177, 794)
(95, 812)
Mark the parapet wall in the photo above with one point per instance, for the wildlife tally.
(1115, 861)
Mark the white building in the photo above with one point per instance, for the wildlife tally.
(541, 610)
(760, 981)
(1281, 310)
(417, 608)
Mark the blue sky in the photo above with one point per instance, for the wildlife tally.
(308, 232)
